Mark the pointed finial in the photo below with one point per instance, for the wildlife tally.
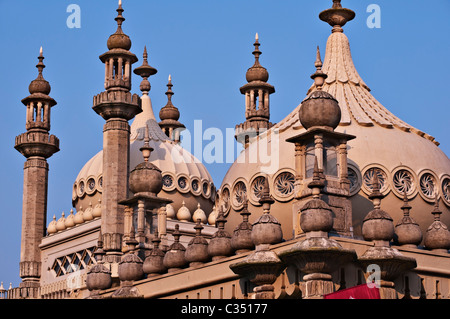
(436, 211)
(406, 207)
(145, 55)
(146, 149)
(317, 184)
(319, 77)
(266, 200)
(169, 91)
(376, 195)
(120, 19)
(256, 52)
(40, 51)
(145, 71)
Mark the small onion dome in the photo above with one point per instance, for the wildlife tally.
(169, 111)
(219, 246)
(174, 258)
(197, 249)
(51, 229)
(79, 219)
(98, 278)
(377, 225)
(40, 85)
(61, 223)
(212, 216)
(199, 214)
(241, 240)
(183, 213)
(153, 264)
(97, 211)
(257, 72)
(88, 213)
(170, 212)
(319, 109)
(119, 40)
(266, 229)
(437, 236)
(407, 230)
(316, 215)
(70, 222)
(146, 177)
(130, 267)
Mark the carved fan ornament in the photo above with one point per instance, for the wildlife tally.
(446, 189)
(403, 182)
(256, 188)
(428, 185)
(284, 184)
(239, 193)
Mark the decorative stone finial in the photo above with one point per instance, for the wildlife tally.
(437, 236)
(319, 109)
(199, 213)
(40, 85)
(119, 40)
(337, 16)
(146, 149)
(145, 71)
(257, 72)
(153, 264)
(267, 229)
(175, 256)
(319, 77)
(219, 246)
(197, 249)
(378, 225)
(407, 230)
(241, 241)
(317, 184)
(376, 195)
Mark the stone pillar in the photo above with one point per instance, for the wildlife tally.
(34, 210)
(116, 146)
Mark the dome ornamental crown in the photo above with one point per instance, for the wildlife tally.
(257, 72)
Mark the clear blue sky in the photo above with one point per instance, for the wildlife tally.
(206, 45)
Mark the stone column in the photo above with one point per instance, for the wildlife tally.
(116, 149)
(34, 210)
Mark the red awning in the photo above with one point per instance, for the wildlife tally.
(358, 292)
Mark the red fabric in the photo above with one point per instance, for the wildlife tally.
(357, 292)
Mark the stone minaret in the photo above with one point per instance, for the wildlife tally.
(257, 101)
(117, 106)
(36, 145)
